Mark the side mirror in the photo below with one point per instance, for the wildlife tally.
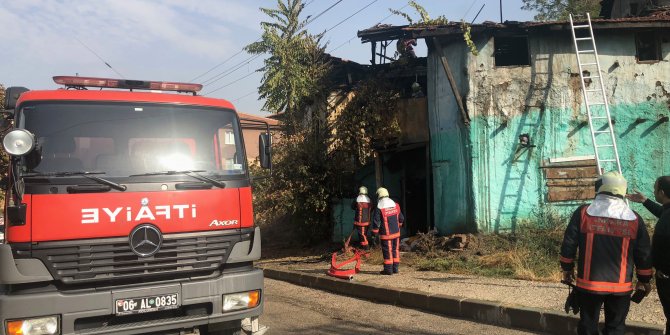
(265, 150)
(12, 95)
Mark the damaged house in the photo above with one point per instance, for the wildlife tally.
(506, 134)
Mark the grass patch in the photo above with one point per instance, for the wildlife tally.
(530, 253)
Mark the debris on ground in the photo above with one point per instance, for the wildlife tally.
(430, 242)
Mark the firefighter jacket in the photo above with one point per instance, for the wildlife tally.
(610, 239)
(361, 209)
(387, 219)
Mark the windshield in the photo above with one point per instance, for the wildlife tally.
(124, 139)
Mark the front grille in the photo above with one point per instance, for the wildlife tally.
(112, 260)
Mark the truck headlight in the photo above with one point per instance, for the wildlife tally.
(244, 300)
(37, 326)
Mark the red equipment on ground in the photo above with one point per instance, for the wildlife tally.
(336, 270)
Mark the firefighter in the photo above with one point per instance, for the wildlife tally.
(611, 239)
(361, 209)
(388, 220)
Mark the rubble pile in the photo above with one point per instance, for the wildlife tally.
(430, 242)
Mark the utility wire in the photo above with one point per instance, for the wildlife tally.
(350, 16)
(244, 96)
(230, 83)
(236, 67)
(100, 58)
(380, 21)
(231, 70)
(233, 56)
(469, 9)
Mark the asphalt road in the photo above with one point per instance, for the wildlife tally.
(291, 309)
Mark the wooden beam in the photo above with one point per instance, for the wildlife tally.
(452, 81)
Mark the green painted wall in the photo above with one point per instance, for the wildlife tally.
(545, 101)
(449, 145)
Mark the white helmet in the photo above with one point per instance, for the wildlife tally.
(612, 182)
(382, 193)
(362, 190)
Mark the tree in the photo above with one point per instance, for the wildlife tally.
(551, 10)
(295, 84)
(296, 65)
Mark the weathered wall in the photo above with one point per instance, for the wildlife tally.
(449, 144)
(545, 101)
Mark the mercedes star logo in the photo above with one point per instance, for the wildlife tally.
(145, 240)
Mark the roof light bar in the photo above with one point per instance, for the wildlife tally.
(79, 82)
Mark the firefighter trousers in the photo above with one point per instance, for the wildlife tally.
(391, 253)
(362, 236)
(616, 310)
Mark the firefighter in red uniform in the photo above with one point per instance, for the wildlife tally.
(361, 209)
(610, 239)
(387, 222)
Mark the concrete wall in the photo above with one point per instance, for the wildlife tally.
(449, 143)
(545, 101)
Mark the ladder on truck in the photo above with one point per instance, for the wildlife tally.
(595, 98)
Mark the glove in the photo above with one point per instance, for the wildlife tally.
(646, 287)
(568, 277)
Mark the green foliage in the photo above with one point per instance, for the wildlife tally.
(550, 10)
(468, 38)
(424, 20)
(296, 64)
(370, 115)
(295, 84)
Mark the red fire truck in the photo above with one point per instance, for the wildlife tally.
(128, 211)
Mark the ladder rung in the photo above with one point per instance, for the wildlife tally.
(583, 38)
(604, 146)
(607, 160)
(588, 64)
(582, 26)
(592, 90)
(601, 131)
(591, 77)
(586, 51)
(596, 103)
(598, 117)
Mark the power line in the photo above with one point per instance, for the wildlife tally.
(230, 83)
(380, 21)
(233, 56)
(352, 15)
(244, 96)
(231, 70)
(100, 58)
(236, 67)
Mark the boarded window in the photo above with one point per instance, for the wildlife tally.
(570, 178)
(648, 46)
(511, 50)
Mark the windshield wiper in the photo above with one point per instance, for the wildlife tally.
(190, 173)
(85, 174)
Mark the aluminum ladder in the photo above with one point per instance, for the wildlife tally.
(595, 99)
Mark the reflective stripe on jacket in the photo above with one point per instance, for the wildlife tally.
(608, 248)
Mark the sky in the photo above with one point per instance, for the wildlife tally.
(181, 40)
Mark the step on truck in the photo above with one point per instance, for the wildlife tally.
(128, 210)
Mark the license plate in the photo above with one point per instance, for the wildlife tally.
(147, 304)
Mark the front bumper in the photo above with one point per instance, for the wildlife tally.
(86, 306)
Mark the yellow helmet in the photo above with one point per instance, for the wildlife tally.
(362, 190)
(612, 182)
(382, 193)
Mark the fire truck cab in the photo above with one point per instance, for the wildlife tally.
(128, 210)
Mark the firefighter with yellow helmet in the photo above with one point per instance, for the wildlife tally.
(387, 221)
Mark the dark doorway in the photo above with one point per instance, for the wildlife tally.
(406, 175)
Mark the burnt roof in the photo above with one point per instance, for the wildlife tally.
(387, 33)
